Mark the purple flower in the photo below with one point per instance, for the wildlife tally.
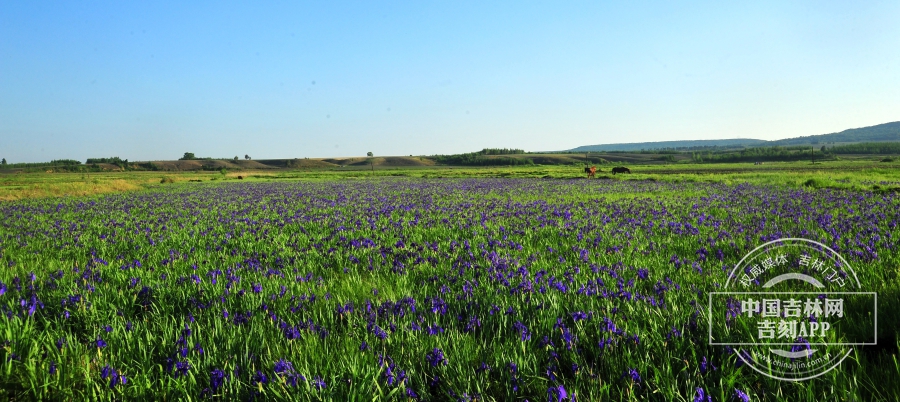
(674, 333)
(181, 368)
(216, 379)
(436, 357)
(283, 366)
(800, 345)
(116, 378)
(389, 374)
(702, 396)
(434, 329)
(260, 378)
(319, 383)
(524, 334)
(380, 333)
(741, 395)
(580, 315)
(557, 393)
(635, 376)
(706, 365)
(53, 367)
(514, 376)
(100, 342)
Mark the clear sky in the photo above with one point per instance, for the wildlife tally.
(152, 80)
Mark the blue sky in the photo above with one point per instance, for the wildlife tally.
(152, 80)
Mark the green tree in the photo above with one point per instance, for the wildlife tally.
(4, 161)
(247, 157)
(236, 158)
(188, 156)
(369, 154)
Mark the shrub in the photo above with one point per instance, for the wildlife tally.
(814, 183)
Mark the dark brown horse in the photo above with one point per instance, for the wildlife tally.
(590, 171)
(620, 169)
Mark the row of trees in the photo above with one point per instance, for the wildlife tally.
(871, 148)
(500, 151)
(55, 162)
(795, 153)
(782, 154)
(479, 159)
(189, 156)
(115, 160)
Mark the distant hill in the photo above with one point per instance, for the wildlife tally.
(887, 132)
(637, 146)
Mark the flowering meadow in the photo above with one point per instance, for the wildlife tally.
(399, 289)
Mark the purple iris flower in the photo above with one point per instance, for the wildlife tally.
(702, 396)
(216, 379)
(557, 393)
(181, 368)
(436, 357)
(260, 377)
(635, 376)
(319, 383)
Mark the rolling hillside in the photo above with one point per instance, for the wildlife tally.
(887, 132)
(638, 146)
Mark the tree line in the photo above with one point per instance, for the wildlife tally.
(759, 154)
(55, 162)
(500, 151)
(795, 153)
(479, 158)
(189, 156)
(872, 148)
(115, 160)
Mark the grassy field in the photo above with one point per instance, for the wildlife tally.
(420, 283)
(860, 175)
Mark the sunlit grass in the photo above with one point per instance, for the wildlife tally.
(297, 232)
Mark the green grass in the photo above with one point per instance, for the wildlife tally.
(300, 223)
(855, 174)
